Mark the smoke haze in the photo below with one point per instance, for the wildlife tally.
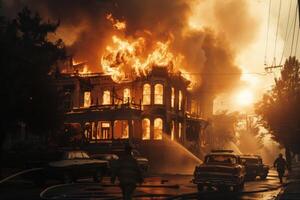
(209, 51)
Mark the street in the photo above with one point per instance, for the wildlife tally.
(154, 187)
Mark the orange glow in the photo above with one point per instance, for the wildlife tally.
(87, 99)
(85, 70)
(179, 100)
(244, 98)
(158, 128)
(172, 97)
(106, 97)
(146, 129)
(125, 59)
(158, 94)
(173, 130)
(126, 95)
(119, 25)
(146, 94)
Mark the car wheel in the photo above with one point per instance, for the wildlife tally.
(67, 178)
(200, 187)
(98, 176)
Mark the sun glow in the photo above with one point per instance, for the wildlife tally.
(245, 98)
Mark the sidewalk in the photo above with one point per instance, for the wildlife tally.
(291, 191)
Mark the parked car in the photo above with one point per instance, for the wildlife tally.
(221, 169)
(114, 154)
(70, 165)
(254, 167)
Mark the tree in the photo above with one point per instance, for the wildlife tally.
(223, 129)
(249, 135)
(28, 93)
(279, 108)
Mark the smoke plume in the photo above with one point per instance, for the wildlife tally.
(208, 52)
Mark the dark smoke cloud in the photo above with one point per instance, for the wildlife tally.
(85, 29)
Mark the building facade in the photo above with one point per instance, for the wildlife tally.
(148, 110)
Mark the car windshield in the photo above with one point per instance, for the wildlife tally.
(76, 155)
(222, 159)
(251, 160)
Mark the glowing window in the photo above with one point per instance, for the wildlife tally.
(87, 99)
(180, 100)
(172, 97)
(158, 94)
(126, 95)
(194, 107)
(179, 130)
(172, 130)
(146, 129)
(121, 129)
(158, 129)
(146, 94)
(106, 97)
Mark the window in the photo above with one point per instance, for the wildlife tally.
(146, 129)
(172, 130)
(106, 97)
(147, 94)
(194, 107)
(126, 95)
(179, 100)
(87, 99)
(105, 130)
(172, 97)
(179, 129)
(121, 129)
(158, 129)
(158, 94)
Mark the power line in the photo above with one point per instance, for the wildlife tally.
(268, 27)
(286, 32)
(292, 45)
(278, 19)
(297, 42)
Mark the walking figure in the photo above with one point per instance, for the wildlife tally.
(128, 172)
(280, 164)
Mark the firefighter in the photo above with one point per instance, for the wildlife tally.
(128, 172)
(281, 165)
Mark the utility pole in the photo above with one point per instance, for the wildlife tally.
(270, 69)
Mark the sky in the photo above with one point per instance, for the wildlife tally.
(253, 58)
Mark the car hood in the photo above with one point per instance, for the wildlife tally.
(141, 159)
(65, 163)
(216, 168)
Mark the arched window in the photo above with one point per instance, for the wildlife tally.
(158, 129)
(126, 95)
(146, 129)
(87, 99)
(146, 94)
(172, 97)
(106, 97)
(179, 130)
(172, 130)
(180, 100)
(158, 94)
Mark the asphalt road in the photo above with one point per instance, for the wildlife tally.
(154, 187)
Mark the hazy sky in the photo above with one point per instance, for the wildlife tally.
(251, 56)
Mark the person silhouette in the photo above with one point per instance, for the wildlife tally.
(280, 164)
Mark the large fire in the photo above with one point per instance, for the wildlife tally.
(126, 60)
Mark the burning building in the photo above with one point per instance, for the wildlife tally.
(146, 110)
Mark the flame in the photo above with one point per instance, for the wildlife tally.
(119, 25)
(85, 70)
(126, 60)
